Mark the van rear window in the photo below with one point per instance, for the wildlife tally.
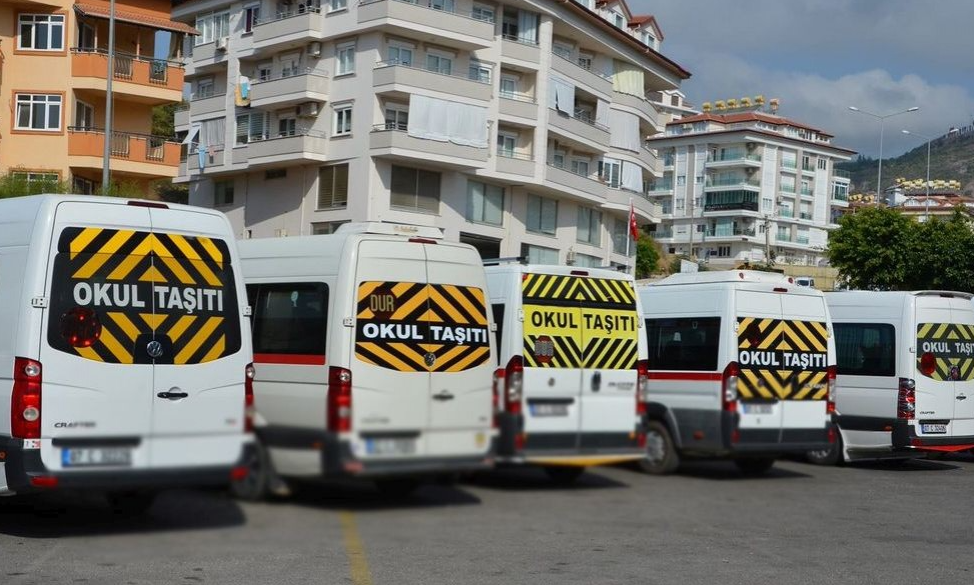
(688, 344)
(865, 349)
(289, 318)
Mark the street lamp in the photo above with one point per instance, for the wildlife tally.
(882, 119)
(926, 212)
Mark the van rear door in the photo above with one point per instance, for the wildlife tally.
(760, 385)
(805, 338)
(459, 339)
(939, 336)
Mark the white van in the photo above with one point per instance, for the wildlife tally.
(374, 357)
(905, 374)
(569, 349)
(741, 365)
(124, 352)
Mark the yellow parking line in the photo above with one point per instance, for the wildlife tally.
(358, 565)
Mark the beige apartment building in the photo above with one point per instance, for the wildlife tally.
(53, 84)
(519, 127)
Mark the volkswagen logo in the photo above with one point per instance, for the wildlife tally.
(430, 359)
(154, 349)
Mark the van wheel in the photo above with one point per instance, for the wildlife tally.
(396, 488)
(131, 503)
(661, 456)
(255, 486)
(830, 456)
(754, 465)
(562, 475)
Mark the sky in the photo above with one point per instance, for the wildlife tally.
(821, 56)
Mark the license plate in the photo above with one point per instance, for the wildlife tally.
(931, 428)
(390, 446)
(757, 408)
(96, 457)
(549, 410)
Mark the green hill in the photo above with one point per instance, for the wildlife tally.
(951, 158)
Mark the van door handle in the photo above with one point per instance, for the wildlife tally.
(443, 396)
(596, 381)
(172, 395)
(962, 397)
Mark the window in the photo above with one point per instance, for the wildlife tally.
(580, 166)
(485, 13)
(542, 215)
(346, 59)
(397, 117)
(251, 17)
(444, 5)
(333, 186)
(649, 40)
(508, 87)
(37, 180)
(585, 60)
(343, 121)
(681, 180)
(38, 112)
(400, 55)
(698, 180)
(479, 72)
(205, 88)
(222, 193)
(289, 65)
(509, 27)
(620, 21)
(587, 261)
(212, 26)
(334, 5)
(723, 252)
(687, 343)
(865, 349)
(415, 189)
(506, 144)
(287, 125)
(289, 318)
(264, 71)
(86, 36)
(485, 203)
(439, 63)
(274, 174)
(539, 254)
(252, 127)
(823, 164)
(558, 159)
(611, 172)
(82, 186)
(84, 115)
(621, 238)
(589, 226)
(563, 50)
(325, 227)
(41, 32)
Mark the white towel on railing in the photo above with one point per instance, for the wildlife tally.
(446, 121)
(632, 177)
(561, 95)
(624, 130)
(602, 113)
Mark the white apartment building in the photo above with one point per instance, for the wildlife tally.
(738, 186)
(519, 127)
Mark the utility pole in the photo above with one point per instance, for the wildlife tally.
(106, 175)
(767, 239)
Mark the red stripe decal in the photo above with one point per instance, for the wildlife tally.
(687, 376)
(918, 443)
(289, 359)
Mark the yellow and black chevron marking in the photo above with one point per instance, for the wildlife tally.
(418, 327)
(782, 359)
(952, 344)
(146, 286)
(579, 322)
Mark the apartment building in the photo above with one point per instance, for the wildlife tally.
(518, 127)
(741, 184)
(53, 88)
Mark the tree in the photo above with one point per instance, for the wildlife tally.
(647, 256)
(15, 184)
(943, 249)
(164, 120)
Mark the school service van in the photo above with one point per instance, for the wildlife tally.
(124, 352)
(374, 357)
(741, 365)
(905, 381)
(568, 375)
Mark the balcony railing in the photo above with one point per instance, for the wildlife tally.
(786, 213)
(733, 182)
(517, 39)
(505, 153)
(718, 232)
(840, 196)
(841, 174)
(661, 234)
(805, 215)
(89, 141)
(732, 206)
(384, 64)
(517, 96)
(127, 67)
(734, 157)
(580, 68)
(787, 188)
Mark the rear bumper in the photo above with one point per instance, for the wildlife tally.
(904, 437)
(338, 461)
(772, 441)
(569, 448)
(24, 467)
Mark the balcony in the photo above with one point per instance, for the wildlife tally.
(208, 104)
(805, 216)
(784, 212)
(391, 141)
(289, 90)
(720, 232)
(734, 159)
(305, 24)
(131, 153)
(515, 163)
(296, 148)
(662, 234)
(589, 133)
(390, 77)
(715, 184)
(564, 178)
(152, 81)
(618, 200)
(411, 17)
(661, 187)
(515, 49)
(518, 105)
(595, 81)
(841, 175)
(738, 205)
(641, 106)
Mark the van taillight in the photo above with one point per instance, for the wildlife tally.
(249, 374)
(729, 388)
(339, 400)
(642, 386)
(80, 327)
(830, 399)
(497, 392)
(25, 400)
(906, 399)
(928, 364)
(513, 385)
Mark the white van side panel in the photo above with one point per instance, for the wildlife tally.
(962, 312)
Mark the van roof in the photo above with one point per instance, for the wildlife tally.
(390, 229)
(722, 276)
(558, 270)
(869, 297)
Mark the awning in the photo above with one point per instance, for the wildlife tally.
(135, 18)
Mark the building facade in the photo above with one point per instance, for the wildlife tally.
(53, 88)
(518, 127)
(744, 186)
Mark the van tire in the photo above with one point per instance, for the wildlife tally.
(396, 488)
(255, 487)
(661, 456)
(562, 475)
(754, 465)
(130, 504)
(831, 456)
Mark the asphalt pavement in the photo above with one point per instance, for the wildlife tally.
(882, 523)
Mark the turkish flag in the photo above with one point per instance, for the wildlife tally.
(633, 227)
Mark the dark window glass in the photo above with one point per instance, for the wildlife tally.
(686, 343)
(498, 309)
(865, 349)
(290, 318)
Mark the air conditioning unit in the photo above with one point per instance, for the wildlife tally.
(314, 49)
(308, 110)
(221, 44)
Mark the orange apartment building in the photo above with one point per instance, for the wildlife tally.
(53, 88)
